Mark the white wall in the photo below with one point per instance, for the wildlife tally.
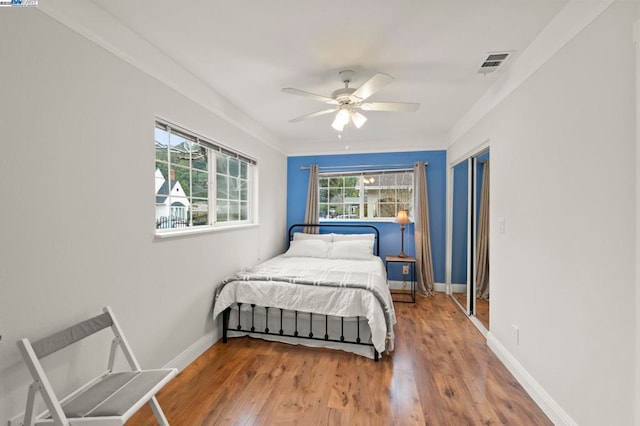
(637, 375)
(74, 118)
(563, 178)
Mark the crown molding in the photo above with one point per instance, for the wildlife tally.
(345, 146)
(570, 21)
(102, 28)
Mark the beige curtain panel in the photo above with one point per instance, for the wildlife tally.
(424, 263)
(482, 259)
(311, 214)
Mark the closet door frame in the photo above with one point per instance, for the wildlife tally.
(468, 308)
(475, 217)
(471, 158)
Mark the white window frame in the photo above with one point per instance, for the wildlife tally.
(250, 190)
(213, 150)
(361, 189)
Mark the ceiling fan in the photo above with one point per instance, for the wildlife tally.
(348, 102)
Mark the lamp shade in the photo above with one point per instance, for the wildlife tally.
(341, 120)
(358, 119)
(403, 217)
(338, 125)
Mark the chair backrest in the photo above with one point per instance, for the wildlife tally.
(68, 336)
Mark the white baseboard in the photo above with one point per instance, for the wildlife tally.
(551, 408)
(401, 285)
(480, 326)
(190, 354)
(458, 288)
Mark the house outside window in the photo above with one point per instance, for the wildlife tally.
(368, 195)
(199, 183)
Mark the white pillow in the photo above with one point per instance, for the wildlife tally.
(308, 248)
(302, 236)
(354, 237)
(356, 249)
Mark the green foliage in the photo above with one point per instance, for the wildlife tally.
(384, 194)
(188, 163)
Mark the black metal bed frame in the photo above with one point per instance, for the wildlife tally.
(295, 333)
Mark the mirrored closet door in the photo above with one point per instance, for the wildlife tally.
(469, 257)
(461, 223)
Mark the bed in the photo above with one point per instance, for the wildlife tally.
(327, 290)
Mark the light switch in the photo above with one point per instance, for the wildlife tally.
(501, 224)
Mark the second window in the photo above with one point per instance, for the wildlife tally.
(365, 195)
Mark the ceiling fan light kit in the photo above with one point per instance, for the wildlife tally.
(345, 115)
(347, 101)
(341, 120)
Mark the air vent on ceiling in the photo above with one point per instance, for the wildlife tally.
(493, 61)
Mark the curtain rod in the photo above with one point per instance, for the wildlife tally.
(360, 166)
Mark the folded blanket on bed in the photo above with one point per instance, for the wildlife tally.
(371, 282)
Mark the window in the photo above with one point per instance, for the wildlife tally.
(232, 189)
(365, 195)
(187, 166)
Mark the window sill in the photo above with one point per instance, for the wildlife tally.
(201, 230)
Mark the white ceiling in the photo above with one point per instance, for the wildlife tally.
(246, 51)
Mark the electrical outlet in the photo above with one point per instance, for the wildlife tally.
(405, 269)
(516, 334)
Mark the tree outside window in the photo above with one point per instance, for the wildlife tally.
(183, 176)
(364, 195)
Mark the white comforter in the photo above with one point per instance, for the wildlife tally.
(344, 302)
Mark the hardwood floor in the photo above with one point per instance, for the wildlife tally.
(441, 373)
(482, 312)
(482, 308)
(461, 298)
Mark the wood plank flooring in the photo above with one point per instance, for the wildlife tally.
(482, 312)
(441, 373)
(461, 298)
(482, 308)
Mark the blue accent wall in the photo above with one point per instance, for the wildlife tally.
(298, 180)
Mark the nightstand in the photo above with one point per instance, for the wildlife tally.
(410, 262)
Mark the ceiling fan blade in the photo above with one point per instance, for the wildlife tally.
(310, 96)
(314, 114)
(390, 106)
(371, 86)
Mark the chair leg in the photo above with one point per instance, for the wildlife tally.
(31, 399)
(157, 411)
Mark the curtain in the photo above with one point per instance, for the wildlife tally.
(482, 257)
(311, 214)
(424, 264)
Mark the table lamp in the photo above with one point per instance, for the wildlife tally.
(402, 219)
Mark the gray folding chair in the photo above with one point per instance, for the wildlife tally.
(109, 399)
